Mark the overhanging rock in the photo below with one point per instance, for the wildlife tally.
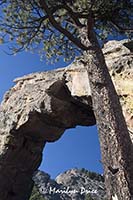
(45, 104)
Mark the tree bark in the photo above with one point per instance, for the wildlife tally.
(115, 142)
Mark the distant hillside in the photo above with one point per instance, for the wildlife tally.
(74, 184)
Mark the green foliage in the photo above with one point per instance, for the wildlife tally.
(93, 175)
(35, 195)
(88, 197)
(28, 25)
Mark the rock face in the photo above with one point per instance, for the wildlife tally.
(119, 59)
(73, 184)
(41, 106)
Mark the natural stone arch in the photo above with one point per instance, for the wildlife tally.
(38, 109)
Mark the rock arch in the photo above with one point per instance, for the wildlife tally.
(38, 109)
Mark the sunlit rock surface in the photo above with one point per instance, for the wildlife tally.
(119, 58)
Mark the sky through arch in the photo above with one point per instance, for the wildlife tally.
(79, 146)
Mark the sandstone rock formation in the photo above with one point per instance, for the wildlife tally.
(41, 106)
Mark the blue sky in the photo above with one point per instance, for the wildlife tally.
(78, 147)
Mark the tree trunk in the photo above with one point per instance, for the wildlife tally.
(115, 142)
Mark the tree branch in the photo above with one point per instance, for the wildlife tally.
(73, 15)
(60, 28)
(119, 28)
(2, 2)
